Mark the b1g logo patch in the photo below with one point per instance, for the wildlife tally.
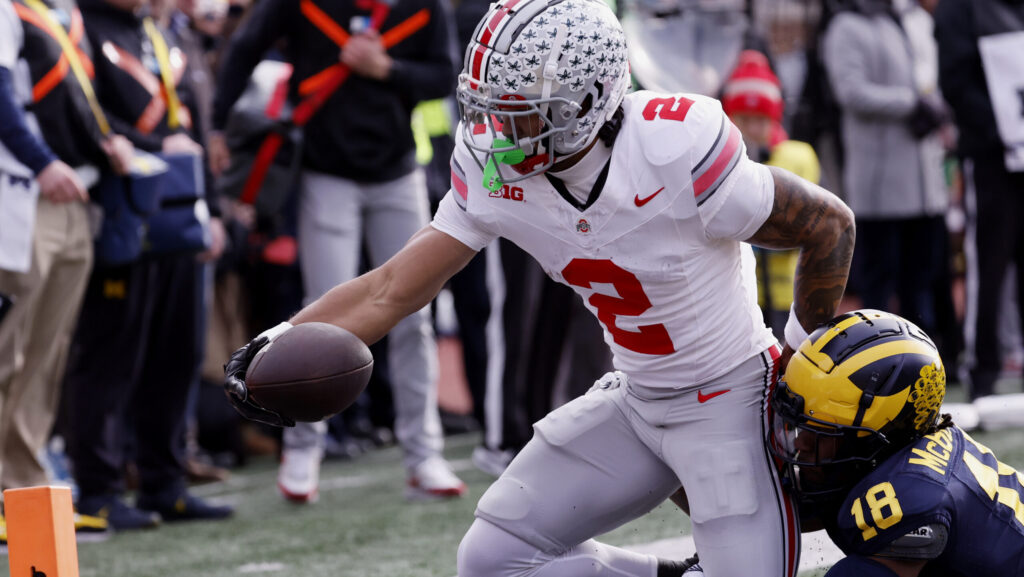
(508, 192)
(583, 226)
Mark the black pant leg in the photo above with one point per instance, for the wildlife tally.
(171, 366)
(994, 210)
(948, 333)
(877, 254)
(921, 257)
(105, 362)
(472, 309)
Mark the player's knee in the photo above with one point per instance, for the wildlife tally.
(487, 551)
(479, 552)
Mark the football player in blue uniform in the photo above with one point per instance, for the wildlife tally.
(902, 491)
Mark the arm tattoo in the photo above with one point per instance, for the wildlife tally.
(810, 218)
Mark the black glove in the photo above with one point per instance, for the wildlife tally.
(692, 565)
(685, 568)
(238, 393)
(925, 118)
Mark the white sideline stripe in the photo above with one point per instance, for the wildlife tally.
(266, 567)
(817, 549)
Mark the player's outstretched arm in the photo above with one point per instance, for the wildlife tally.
(810, 218)
(370, 305)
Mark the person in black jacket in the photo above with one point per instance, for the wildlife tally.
(981, 78)
(137, 349)
(360, 182)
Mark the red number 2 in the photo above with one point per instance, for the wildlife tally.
(631, 302)
(667, 108)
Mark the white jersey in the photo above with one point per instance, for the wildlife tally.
(658, 256)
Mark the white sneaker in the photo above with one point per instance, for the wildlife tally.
(433, 479)
(298, 476)
(492, 461)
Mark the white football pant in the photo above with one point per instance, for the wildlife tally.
(614, 454)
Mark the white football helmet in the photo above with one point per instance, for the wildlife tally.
(562, 63)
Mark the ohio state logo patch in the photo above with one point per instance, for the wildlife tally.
(583, 226)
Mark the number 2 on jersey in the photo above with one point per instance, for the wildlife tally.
(667, 108)
(631, 302)
(879, 498)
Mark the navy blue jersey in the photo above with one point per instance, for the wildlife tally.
(945, 479)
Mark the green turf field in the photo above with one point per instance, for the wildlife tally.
(361, 527)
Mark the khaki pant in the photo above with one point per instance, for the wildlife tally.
(35, 335)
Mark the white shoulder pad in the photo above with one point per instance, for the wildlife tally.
(668, 126)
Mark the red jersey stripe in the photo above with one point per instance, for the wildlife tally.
(725, 157)
(459, 184)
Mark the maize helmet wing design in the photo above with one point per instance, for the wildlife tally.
(561, 63)
(858, 389)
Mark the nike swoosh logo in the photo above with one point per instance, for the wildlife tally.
(642, 201)
(702, 398)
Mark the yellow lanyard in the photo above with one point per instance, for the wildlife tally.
(71, 53)
(163, 59)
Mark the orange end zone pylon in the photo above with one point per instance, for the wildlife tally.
(41, 532)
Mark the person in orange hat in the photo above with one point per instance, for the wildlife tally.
(752, 97)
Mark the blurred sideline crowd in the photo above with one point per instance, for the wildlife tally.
(177, 176)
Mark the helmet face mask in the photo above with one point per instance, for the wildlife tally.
(822, 460)
(540, 78)
(496, 128)
(858, 389)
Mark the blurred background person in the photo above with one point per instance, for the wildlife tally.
(979, 48)
(54, 140)
(138, 345)
(360, 183)
(893, 179)
(195, 26)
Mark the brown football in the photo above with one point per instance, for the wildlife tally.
(310, 372)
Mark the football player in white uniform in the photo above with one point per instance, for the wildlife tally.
(642, 204)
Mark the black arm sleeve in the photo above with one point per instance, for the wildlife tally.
(14, 132)
(433, 76)
(268, 22)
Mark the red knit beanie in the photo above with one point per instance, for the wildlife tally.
(753, 88)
